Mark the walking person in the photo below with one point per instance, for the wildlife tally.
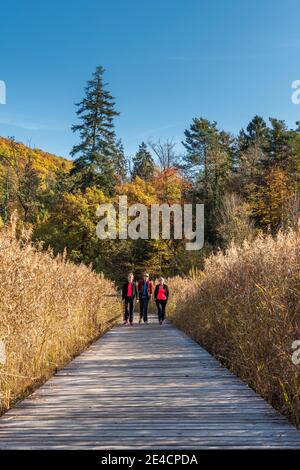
(129, 294)
(161, 295)
(145, 291)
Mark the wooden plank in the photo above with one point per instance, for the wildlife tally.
(145, 386)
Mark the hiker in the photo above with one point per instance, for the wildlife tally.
(161, 295)
(145, 290)
(129, 294)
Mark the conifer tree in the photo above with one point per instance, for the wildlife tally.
(281, 148)
(143, 164)
(99, 153)
(256, 135)
(208, 163)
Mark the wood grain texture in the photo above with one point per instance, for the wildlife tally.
(143, 387)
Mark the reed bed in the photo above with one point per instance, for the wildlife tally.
(50, 310)
(245, 310)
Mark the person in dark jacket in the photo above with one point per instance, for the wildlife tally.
(129, 294)
(161, 296)
(145, 289)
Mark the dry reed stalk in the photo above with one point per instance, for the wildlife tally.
(246, 312)
(50, 310)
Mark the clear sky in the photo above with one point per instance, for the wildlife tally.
(167, 61)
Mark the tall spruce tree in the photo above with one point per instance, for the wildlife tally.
(100, 155)
(143, 163)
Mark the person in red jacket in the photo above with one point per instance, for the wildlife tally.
(145, 289)
(129, 294)
(161, 295)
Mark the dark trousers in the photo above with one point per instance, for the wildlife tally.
(128, 313)
(144, 308)
(161, 309)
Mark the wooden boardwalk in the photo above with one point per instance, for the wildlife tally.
(144, 387)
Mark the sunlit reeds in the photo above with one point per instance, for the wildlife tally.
(50, 310)
(245, 310)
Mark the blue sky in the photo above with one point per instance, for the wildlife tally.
(167, 61)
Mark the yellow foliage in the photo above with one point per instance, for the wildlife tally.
(138, 191)
(45, 163)
(270, 201)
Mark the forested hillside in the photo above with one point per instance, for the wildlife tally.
(27, 178)
(248, 183)
(45, 163)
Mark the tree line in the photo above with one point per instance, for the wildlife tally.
(249, 183)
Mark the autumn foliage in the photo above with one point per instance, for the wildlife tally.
(45, 163)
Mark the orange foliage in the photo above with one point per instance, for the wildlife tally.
(169, 185)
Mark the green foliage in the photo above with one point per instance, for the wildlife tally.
(209, 163)
(143, 163)
(101, 157)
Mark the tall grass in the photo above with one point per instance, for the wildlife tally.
(50, 310)
(245, 310)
